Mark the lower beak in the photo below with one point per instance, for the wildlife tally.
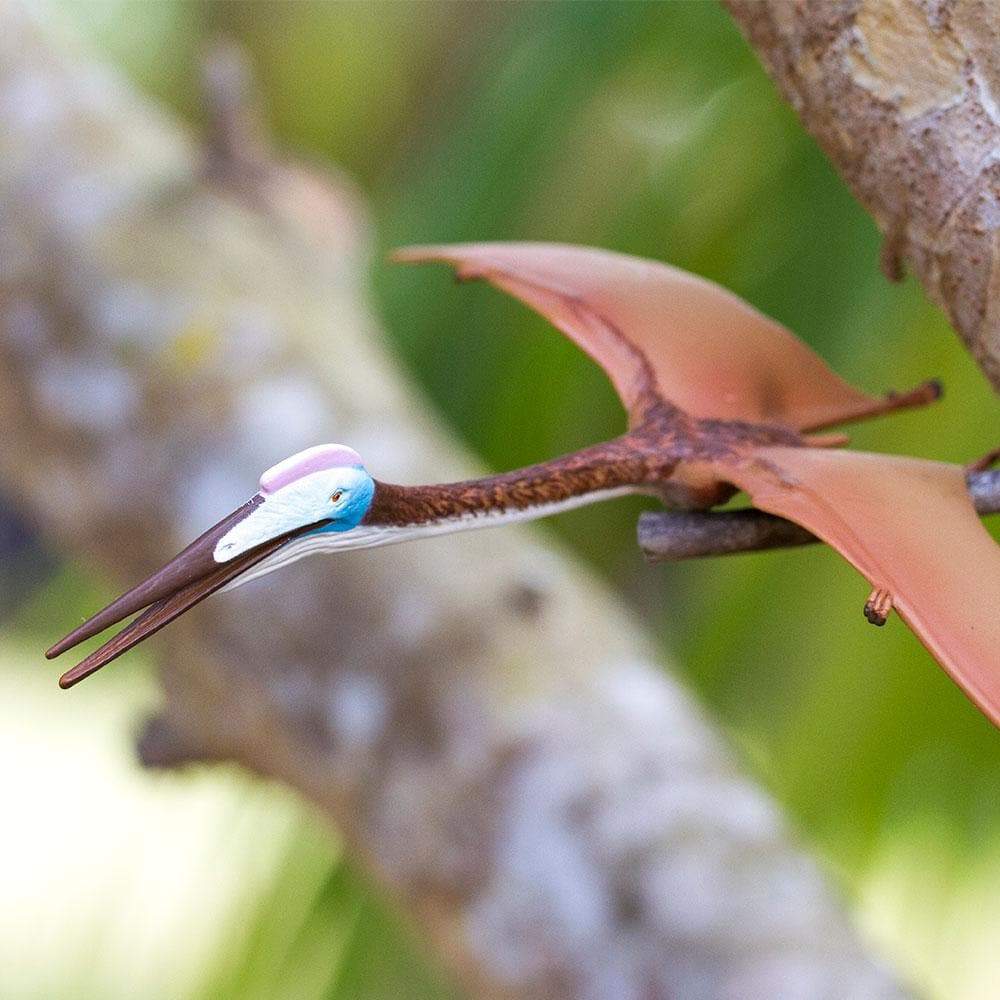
(186, 580)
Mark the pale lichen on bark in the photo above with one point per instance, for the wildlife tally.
(555, 811)
(904, 97)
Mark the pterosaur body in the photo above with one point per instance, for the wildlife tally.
(719, 399)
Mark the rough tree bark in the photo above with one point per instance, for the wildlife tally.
(904, 97)
(484, 722)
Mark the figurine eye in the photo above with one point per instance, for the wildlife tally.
(336, 496)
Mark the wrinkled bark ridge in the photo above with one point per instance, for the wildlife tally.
(904, 97)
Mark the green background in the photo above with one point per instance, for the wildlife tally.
(647, 128)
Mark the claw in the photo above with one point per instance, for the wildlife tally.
(988, 460)
(878, 606)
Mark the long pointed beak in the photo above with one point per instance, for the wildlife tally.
(186, 580)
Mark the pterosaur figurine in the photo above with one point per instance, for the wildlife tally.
(719, 399)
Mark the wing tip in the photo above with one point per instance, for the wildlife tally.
(465, 269)
(928, 391)
(420, 253)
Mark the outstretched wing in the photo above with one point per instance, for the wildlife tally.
(656, 329)
(909, 527)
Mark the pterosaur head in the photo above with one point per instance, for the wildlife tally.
(320, 491)
(325, 488)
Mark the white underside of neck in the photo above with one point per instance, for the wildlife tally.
(371, 536)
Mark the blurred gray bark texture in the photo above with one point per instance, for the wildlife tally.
(486, 724)
(904, 97)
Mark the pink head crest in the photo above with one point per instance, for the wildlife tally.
(304, 463)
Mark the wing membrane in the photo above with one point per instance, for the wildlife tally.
(910, 528)
(655, 328)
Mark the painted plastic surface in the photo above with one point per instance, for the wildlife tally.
(708, 351)
(910, 528)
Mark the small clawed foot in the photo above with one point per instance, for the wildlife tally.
(988, 460)
(878, 606)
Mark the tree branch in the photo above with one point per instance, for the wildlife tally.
(904, 98)
(670, 536)
(500, 748)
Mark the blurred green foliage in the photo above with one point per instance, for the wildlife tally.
(648, 128)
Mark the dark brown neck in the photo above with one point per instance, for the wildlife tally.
(608, 466)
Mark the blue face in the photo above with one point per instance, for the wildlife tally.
(354, 498)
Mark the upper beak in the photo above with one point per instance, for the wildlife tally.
(188, 578)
